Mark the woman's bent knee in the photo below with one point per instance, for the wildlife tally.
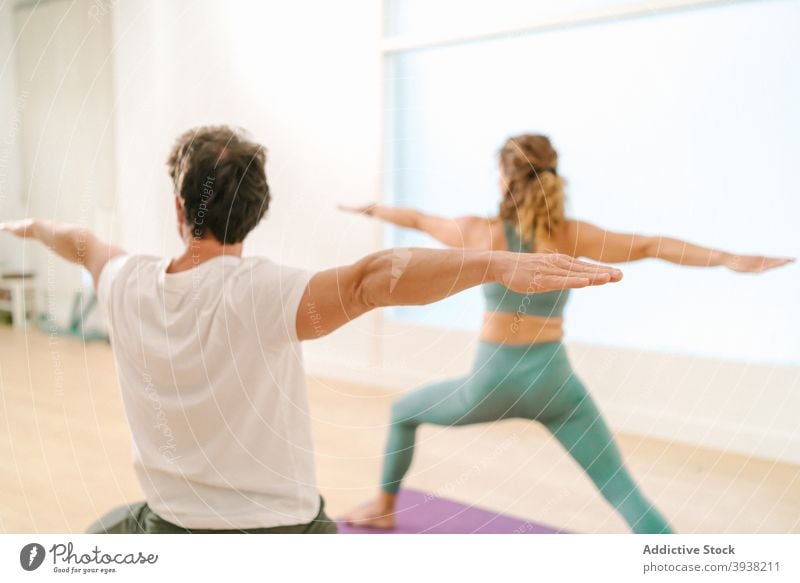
(403, 411)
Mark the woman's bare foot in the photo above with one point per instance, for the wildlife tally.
(377, 513)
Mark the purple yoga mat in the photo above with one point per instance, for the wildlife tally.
(422, 513)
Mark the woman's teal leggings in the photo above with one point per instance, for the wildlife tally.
(533, 382)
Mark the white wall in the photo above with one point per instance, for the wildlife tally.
(66, 130)
(12, 102)
(305, 78)
(680, 122)
(657, 133)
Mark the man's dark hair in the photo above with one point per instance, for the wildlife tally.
(219, 173)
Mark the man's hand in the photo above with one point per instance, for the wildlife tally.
(542, 272)
(21, 228)
(72, 242)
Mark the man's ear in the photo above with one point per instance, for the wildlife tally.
(180, 215)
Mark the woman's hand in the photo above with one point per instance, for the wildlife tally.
(367, 209)
(753, 263)
(21, 228)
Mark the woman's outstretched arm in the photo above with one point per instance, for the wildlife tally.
(609, 247)
(462, 232)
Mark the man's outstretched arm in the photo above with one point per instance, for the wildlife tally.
(72, 242)
(404, 277)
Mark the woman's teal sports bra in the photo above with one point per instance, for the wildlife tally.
(501, 299)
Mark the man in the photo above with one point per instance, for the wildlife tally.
(207, 344)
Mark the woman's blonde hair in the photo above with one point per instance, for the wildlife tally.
(534, 192)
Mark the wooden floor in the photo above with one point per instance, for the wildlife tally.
(65, 456)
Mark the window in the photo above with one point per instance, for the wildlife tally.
(682, 122)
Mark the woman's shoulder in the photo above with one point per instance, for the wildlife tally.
(561, 240)
(498, 229)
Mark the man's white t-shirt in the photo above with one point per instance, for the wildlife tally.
(212, 379)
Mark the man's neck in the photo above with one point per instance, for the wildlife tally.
(201, 250)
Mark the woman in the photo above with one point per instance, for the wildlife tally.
(521, 368)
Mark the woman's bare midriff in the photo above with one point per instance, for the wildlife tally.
(513, 328)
